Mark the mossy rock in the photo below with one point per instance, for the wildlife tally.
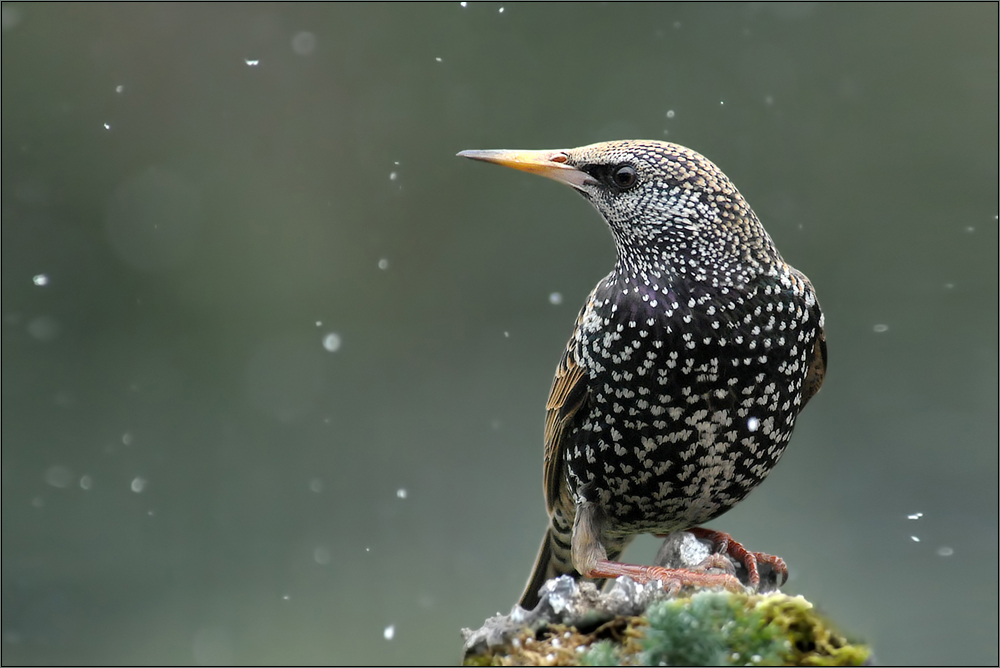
(706, 628)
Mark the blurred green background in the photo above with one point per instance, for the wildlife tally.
(275, 361)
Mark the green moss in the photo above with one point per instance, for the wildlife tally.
(811, 640)
(478, 660)
(710, 629)
(603, 653)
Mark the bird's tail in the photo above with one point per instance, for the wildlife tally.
(554, 558)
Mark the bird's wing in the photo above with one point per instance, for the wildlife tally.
(817, 363)
(817, 369)
(568, 394)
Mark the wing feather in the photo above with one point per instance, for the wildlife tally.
(817, 364)
(568, 394)
(817, 369)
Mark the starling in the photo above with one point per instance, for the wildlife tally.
(686, 370)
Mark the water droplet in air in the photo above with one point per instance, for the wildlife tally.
(390, 630)
(438, 59)
(40, 279)
(43, 328)
(881, 328)
(914, 516)
(119, 89)
(59, 476)
(945, 551)
(401, 493)
(304, 43)
(316, 485)
(383, 264)
(138, 484)
(86, 482)
(251, 62)
(393, 176)
(10, 17)
(322, 556)
(127, 438)
(670, 113)
(332, 342)
(555, 298)
(914, 539)
(464, 4)
(752, 424)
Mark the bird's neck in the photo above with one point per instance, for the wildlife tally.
(682, 256)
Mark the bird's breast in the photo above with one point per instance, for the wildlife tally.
(692, 396)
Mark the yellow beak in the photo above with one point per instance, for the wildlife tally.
(546, 163)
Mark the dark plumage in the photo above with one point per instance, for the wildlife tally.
(687, 368)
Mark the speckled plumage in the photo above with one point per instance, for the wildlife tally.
(689, 362)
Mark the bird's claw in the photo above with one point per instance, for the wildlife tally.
(718, 561)
(723, 543)
(776, 563)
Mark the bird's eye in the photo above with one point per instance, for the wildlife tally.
(624, 177)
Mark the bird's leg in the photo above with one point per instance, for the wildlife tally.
(590, 558)
(723, 543)
(672, 578)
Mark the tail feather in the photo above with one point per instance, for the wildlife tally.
(554, 559)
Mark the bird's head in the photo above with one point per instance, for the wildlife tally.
(669, 208)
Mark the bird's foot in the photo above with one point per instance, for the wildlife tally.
(673, 579)
(715, 561)
(723, 543)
